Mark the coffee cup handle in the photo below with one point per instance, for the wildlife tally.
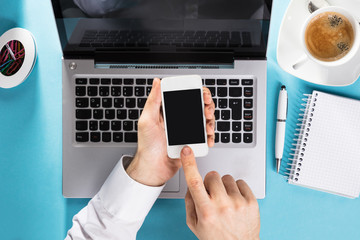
(300, 62)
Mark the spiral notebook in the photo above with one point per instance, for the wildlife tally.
(327, 153)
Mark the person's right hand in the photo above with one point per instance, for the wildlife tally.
(219, 208)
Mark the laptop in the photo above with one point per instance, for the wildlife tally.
(110, 60)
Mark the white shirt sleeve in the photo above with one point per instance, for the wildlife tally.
(117, 211)
(98, 8)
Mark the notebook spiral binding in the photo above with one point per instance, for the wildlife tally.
(301, 135)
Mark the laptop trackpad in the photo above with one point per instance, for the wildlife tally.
(173, 185)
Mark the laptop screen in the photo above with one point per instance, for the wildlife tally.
(90, 28)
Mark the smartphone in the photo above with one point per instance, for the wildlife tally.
(183, 111)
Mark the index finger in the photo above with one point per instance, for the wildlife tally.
(193, 178)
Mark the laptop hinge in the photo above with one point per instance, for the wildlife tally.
(164, 58)
(162, 66)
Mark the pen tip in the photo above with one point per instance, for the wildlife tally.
(283, 87)
(278, 165)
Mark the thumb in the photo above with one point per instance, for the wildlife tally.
(153, 102)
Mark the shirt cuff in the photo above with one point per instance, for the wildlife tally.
(124, 198)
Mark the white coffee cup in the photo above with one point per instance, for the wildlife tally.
(354, 49)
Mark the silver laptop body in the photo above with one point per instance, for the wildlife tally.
(89, 155)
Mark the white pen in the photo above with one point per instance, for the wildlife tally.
(280, 126)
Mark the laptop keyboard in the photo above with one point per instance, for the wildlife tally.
(107, 109)
(185, 39)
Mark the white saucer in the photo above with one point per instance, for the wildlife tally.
(289, 48)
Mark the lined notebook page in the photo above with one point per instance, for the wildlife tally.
(331, 160)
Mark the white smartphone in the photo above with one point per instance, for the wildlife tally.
(183, 111)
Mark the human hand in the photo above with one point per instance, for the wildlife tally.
(151, 165)
(219, 208)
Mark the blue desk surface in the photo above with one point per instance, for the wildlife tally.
(31, 203)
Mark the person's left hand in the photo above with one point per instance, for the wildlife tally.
(151, 165)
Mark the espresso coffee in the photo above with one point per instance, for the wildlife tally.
(329, 36)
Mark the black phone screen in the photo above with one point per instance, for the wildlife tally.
(184, 117)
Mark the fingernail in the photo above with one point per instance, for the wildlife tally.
(186, 151)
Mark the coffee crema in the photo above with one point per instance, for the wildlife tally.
(329, 36)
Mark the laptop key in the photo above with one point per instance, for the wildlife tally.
(128, 81)
(118, 102)
(127, 91)
(115, 91)
(116, 125)
(235, 91)
(148, 90)
(141, 102)
(83, 113)
(93, 125)
(236, 126)
(117, 137)
(213, 91)
(225, 114)
(82, 102)
(80, 91)
(106, 81)
(81, 125)
(92, 91)
(221, 82)
(248, 126)
(106, 136)
(216, 137)
(128, 125)
(94, 81)
(248, 103)
(109, 114)
(223, 126)
(98, 113)
(248, 114)
(222, 92)
(236, 137)
(234, 81)
(104, 125)
(134, 114)
(130, 137)
(210, 81)
(95, 136)
(94, 102)
(248, 91)
(223, 103)
(96, 45)
(247, 81)
(210, 44)
(104, 91)
(130, 102)
(121, 113)
(139, 91)
(141, 81)
(235, 105)
(150, 81)
(81, 81)
(82, 136)
(225, 137)
(217, 114)
(248, 137)
(106, 102)
(116, 81)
